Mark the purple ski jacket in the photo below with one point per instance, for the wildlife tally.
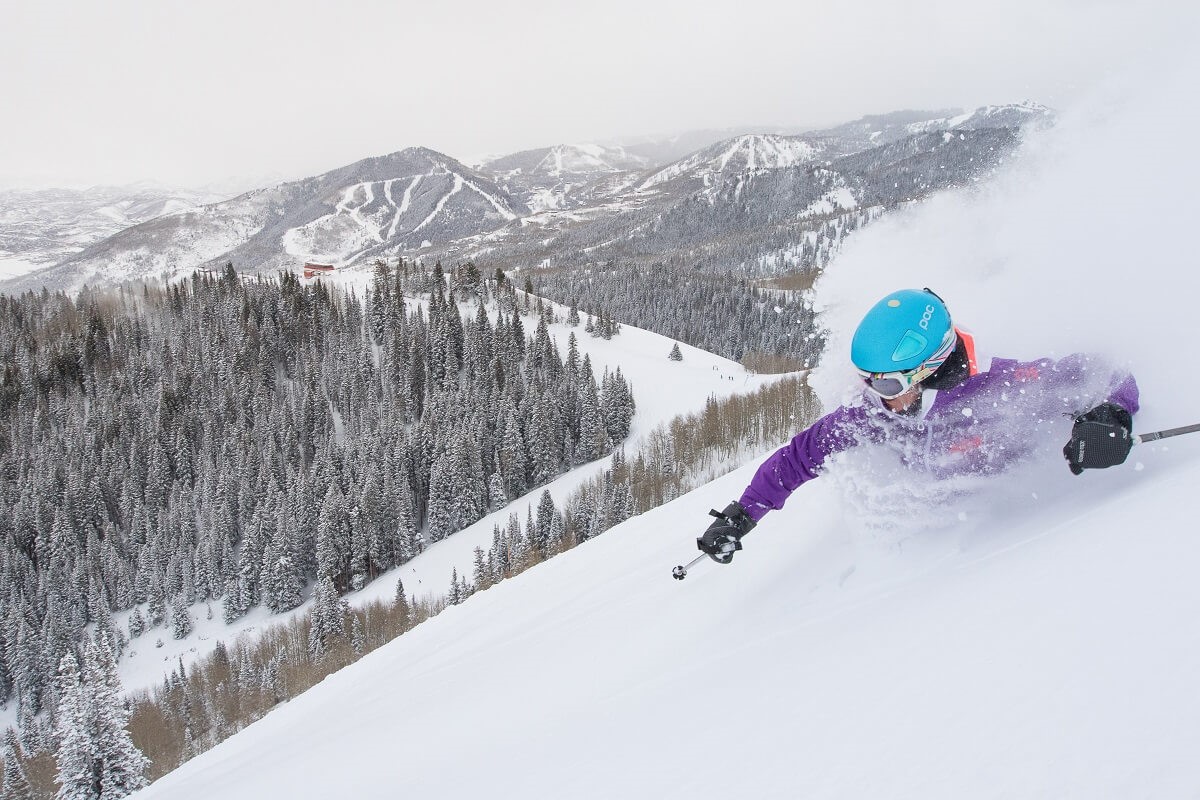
(983, 425)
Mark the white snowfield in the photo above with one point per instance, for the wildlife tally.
(1038, 638)
(1052, 654)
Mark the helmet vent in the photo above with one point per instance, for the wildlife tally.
(911, 345)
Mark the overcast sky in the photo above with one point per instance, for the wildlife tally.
(194, 93)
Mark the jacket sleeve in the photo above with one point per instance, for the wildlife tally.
(800, 460)
(1125, 394)
(1086, 381)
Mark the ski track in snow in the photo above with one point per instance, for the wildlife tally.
(377, 232)
(404, 203)
(441, 203)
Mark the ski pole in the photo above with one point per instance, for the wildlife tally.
(1150, 437)
(679, 573)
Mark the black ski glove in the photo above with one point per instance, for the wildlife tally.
(724, 537)
(1100, 438)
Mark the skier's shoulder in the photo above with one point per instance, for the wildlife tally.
(1017, 371)
(1071, 365)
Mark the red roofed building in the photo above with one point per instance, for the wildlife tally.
(314, 268)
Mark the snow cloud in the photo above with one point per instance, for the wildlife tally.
(1084, 242)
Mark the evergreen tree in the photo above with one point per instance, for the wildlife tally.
(181, 618)
(16, 782)
(617, 405)
(593, 434)
(482, 575)
(497, 499)
(333, 537)
(328, 618)
(96, 757)
(123, 765)
(403, 611)
(546, 513)
(77, 774)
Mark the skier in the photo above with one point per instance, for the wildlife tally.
(926, 397)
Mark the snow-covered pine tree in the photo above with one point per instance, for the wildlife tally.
(617, 405)
(333, 537)
(543, 523)
(74, 753)
(16, 782)
(593, 435)
(123, 767)
(95, 755)
(181, 618)
(497, 499)
(481, 574)
(403, 610)
(328, 618)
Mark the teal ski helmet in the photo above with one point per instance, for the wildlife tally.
(901, 332)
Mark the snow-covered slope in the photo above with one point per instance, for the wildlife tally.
(564, 159)
(804, 669)
(753, 151)
(551, 177)
(1035, 638)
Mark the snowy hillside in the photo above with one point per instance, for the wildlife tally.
(41, 227)
(552, 177)
(964, 669)
(378, 206)
(1033, 638)
(738, 155)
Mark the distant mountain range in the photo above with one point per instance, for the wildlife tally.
(46, 226)
(755, 203)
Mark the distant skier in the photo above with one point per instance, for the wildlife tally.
(926, 398)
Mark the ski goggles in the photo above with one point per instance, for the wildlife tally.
(890, 385)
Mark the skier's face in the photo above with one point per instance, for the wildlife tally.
(902, 403)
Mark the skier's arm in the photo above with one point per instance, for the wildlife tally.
(1085, 381)
(800, 460)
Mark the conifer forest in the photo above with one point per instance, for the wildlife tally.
(241, 440)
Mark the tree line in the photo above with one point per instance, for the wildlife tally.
(724, 314)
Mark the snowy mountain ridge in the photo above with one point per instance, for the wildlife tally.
(321, 217)
(418, 202)
(750, 152)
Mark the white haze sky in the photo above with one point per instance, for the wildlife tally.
(202, 93)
